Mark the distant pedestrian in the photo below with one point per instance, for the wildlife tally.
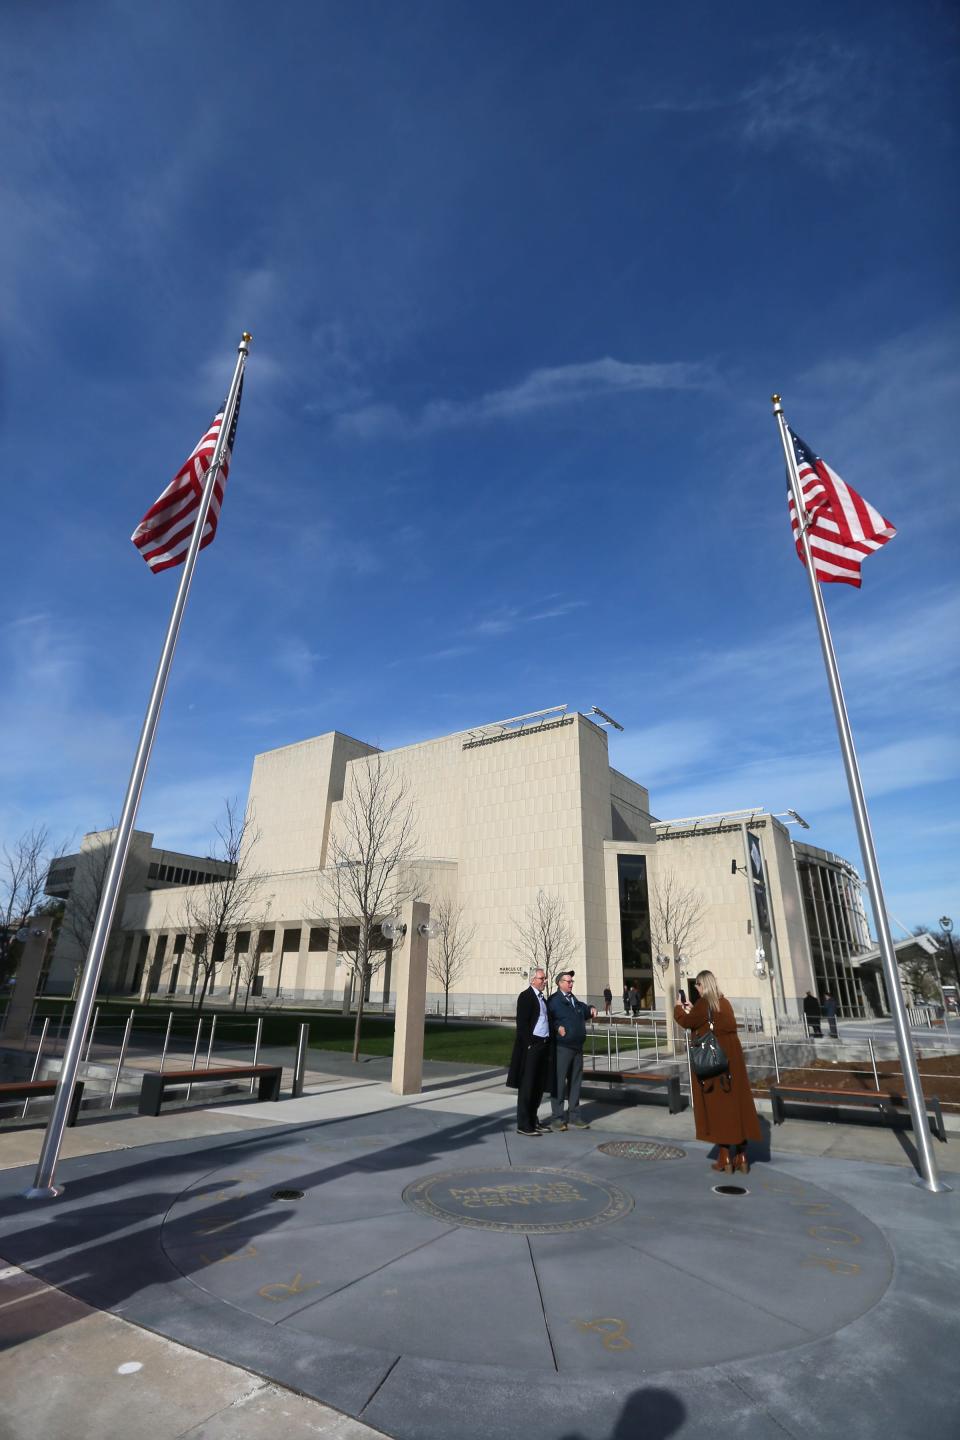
(626, 999)
(635, 1000)
(723, 1107)
(811, 1011)
(830, 1013)
(568, 1028)
(607, 999)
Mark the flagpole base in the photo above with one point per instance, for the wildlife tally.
(939, 1187)
(43, 1192)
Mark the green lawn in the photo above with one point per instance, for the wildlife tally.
(471, 1044)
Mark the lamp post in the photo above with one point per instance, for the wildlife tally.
(946, 925)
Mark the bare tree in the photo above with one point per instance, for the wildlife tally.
(543, 937)
(676, 916)
(83, 903)
(23, 875)
(368, 874)
(215, 912)
(450, 947)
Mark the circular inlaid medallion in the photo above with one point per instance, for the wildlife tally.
(641, 1150)
(530, 1200)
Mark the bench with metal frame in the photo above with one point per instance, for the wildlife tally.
(834, 1099)
(671, 1083)
(32, 1090)
(156, 1083)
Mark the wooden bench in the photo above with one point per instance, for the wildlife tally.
(834, 1099)
(32, 1089)
(671, 1083)
(155, 1084)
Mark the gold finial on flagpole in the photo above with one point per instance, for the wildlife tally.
(775, 400)
(246, 337)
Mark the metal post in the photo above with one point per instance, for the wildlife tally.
(93, 1030)
(213, 1028)
(609, 1066)
(776, 1060)
(36, 1063)
(873, 1061)
(686, 1036)
(63, 1014)
(656, 1039)
(196, 1051)
(637, 1035)
(918, 1107)
(256, 1051)
(43, 1186)
(166, 1041)
(123, 1053)
(301, 1061)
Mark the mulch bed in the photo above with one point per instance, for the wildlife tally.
(940, 1075)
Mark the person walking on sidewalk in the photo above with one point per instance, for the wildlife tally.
(830, 1014)
(607, 999)
(568, 1025)
(811, 1010)
(531, 1052)
(723, 1108)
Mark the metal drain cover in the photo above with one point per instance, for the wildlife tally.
(287, 1195)
(730, 1190)
(641, 1150)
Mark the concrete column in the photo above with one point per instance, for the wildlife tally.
(671, 987)
(410, 978)
(16, 1022)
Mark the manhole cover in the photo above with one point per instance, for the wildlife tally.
(527, 1200)
(641, 1150)
(730, 1190)
(288, 1194)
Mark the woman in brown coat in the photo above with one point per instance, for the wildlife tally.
(723, 1108)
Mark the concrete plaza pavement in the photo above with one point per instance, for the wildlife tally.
(354, 1263)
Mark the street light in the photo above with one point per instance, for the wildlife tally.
(946, 925)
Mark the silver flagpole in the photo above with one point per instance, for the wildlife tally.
(43, 1186)
(918, 1110)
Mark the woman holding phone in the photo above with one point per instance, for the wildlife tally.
(723, 1107)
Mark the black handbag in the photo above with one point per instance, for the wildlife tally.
(708, 1058)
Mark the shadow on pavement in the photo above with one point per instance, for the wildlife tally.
(649, 1414)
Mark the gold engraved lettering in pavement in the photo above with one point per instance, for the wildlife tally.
(280, 1291)
(836, 1267)
(833, 1234)
(612, 1332)
(246, 1254)
(497, 1197)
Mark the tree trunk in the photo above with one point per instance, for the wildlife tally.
(356, 1028)
(446, 1004)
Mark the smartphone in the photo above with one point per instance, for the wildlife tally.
(683, 998)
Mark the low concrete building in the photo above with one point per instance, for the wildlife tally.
(502, 813)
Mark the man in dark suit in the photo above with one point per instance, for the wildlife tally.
(568, 1021)
(531, 1051)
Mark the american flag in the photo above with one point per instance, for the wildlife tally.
(843, 528)
(163, 535)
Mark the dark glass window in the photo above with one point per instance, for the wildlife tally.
(635, 924)
(291, 941)
(319, 937)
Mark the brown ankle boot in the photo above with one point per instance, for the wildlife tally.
(740, 1161)
(722, 1160)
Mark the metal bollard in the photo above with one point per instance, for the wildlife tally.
(123, 1052)
(686, 1036)
(636, 1031)
(36, 1064)
(196, 1050)
(256, 1051)
(301, 1062)
(656, 1039)
(166, 1041)
(609, 1067)
(213, 1028)
(873, 1061)
(93, 1031)
(776, 1061)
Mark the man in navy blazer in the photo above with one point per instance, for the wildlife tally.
(568, 1022)
(531, 1053)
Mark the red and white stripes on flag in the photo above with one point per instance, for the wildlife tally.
(163, 535)
(842, 527)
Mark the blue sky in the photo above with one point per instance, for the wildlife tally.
(521, 280)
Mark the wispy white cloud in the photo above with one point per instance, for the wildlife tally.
(542, 389)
